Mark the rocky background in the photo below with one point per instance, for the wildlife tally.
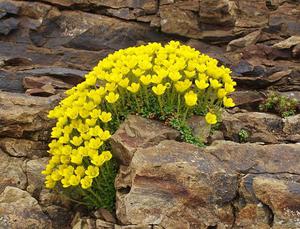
(47, 46)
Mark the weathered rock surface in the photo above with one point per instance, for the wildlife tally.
(24, 116)
(137, 132)
(19, 210)
(23, 148)
(176, 185)
(12, 172)
(172, 184)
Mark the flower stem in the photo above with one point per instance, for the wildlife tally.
(185, 113)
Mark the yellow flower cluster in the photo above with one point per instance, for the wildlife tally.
(174, 73)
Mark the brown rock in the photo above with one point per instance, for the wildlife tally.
(296, 51)
(250, 16)
(60, 217)
(137, 132)
(177, 185)
(8, 25)
(262, 127)
(288, 43)
(34, 175)
(285, 19)
(25, 116)
(253, 216)
(282, 197)
(20, 210)
(255, 158)
(12, 172)
(245, 41)
(219, 12)
(23, 147)
(38, 82)
(292, 127)
(246, 99)
(177, 21)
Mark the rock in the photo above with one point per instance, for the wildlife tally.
(23, 147)
(218, 12)
(176, 185)
(245, 41)
(8, 8)
(251, 16)
(60, 217)
(292, 128)
(38, 82)
(288, 43)
(199, 127)
(256, 158)
(12, 172)
(20, 210)
(70, 76)
(177, 21)
(284, 20)
(137, 132)
(24, 116)
(262, 127)
(282, 197)
(34, 175)
(8, 25)
(253, 216)
(247, 99)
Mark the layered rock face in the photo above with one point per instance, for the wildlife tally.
(48, 46)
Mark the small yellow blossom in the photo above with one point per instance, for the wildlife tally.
(86, 182)
(228, 102)
(134, 88)
(211, 118)
(159, 89)
(112, 97)
(191, 98)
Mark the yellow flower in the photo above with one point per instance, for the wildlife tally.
(105, 116)
(74, 180)
(55, 175)
(146, 80)
(65, 159)
(89, 106)
(124, 82)
(191, 98)
(92, 171)
(49, 182)
(106, 155)
(229, 88)
(211, 118)
(68, 171)
(182, 86)
(76, 159)
(95, 143)
(175, 76)
(111, 87)
(228, 102)
(221, 93)
(190, 74)
(104, 135)
(134, 88)
(80, 171)
(112, 97)
(156, 79)
(138, 72)
(95, 113)
(72, 113)
(65, 182)
(98, 160)
(91, 121)
(159, 89)
(76, 140)
(201, 84)
(215, 83)
(86, 182)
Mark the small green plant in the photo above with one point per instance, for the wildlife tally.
(243, 135)
(279, 104)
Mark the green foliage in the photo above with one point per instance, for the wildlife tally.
(243, 135)
(185, 131)
(279, 104)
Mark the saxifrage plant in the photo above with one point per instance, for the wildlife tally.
(169, 83)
